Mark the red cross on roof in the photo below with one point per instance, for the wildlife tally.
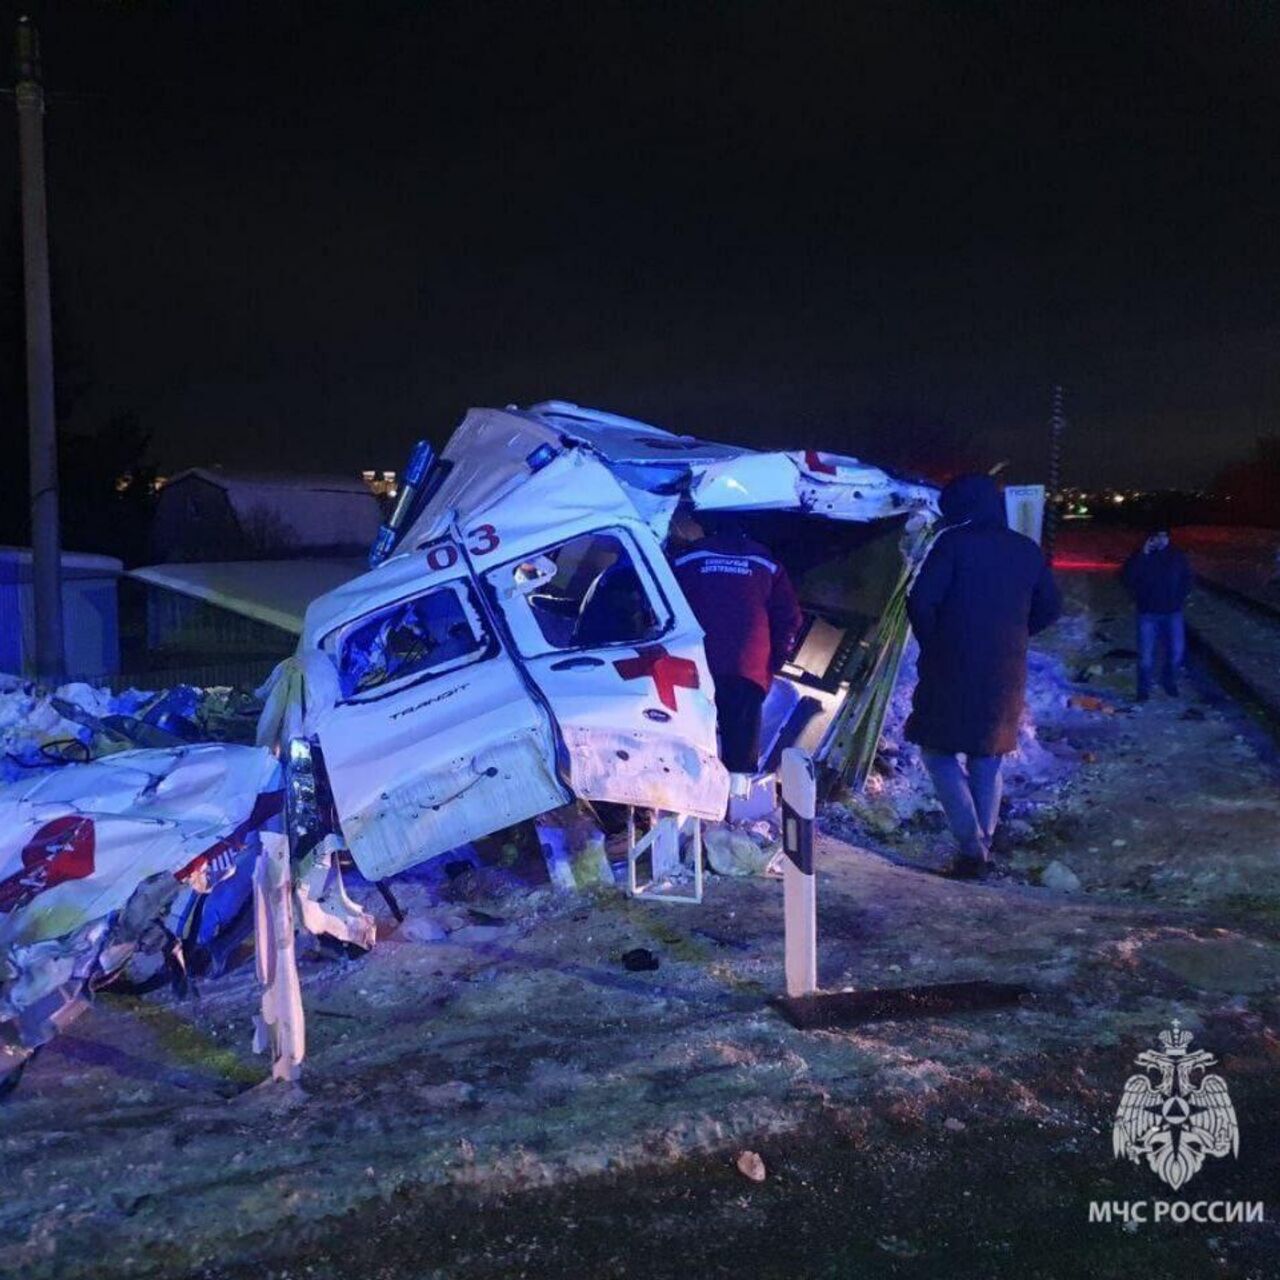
(667, 673)
(816, 462)
(60, 850)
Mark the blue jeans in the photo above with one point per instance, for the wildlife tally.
(1154, 628)
(970, 796)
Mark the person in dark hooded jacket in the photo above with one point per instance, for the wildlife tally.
(981, 593)
(1159, 580)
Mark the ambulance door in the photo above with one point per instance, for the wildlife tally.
(607, 638)
(437, 738)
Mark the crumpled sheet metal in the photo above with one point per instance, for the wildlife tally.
(74, 845)
(92, 858)
(827, 485)
(321, 900)
(297, 695)
(645, 467)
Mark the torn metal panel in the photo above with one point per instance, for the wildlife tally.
(93, 857)
(281, 1028)
(826, 485)
(322, 902)
(627, 441)
(394, 818)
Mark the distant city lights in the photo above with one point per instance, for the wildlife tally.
(383, 483)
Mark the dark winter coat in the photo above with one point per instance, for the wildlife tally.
(982, 591)
(1158, 581)
(745, 604)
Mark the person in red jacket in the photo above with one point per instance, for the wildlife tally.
(747, 608)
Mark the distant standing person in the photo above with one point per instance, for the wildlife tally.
(982, 592)
(747, 608)
(1159, 580)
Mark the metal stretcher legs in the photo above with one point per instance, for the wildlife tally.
(662, 843)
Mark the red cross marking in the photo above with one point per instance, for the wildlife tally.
(817, 463)
(61, 850)
(666, 672)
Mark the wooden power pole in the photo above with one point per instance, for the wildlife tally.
(46, 542)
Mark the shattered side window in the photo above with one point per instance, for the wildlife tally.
(582, 593)
(431, 632)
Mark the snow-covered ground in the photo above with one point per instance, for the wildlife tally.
(495, 1043)
(898, 792)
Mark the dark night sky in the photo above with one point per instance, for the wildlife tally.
(301, 236)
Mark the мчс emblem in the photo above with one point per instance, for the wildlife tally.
(1174, 1121)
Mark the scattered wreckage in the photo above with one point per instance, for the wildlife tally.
(519, 644)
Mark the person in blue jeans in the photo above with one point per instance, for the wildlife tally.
(1158, 578)
(982, 592)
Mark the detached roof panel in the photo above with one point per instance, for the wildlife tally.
(276, 592)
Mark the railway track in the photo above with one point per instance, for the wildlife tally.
(1240, 635)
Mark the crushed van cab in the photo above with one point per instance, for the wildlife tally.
(521, 640)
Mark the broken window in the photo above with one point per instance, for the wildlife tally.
(433, 632)
(585, 592)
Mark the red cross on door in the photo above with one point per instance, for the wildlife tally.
(667, 672)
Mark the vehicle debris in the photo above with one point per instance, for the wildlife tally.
(520, 645)
(104, 859)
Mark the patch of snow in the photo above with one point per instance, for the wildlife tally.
(898, 789)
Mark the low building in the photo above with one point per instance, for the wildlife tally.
(90, 618)
(207, 514)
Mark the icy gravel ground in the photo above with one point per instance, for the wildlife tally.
(1174, 799)
(495, 1045)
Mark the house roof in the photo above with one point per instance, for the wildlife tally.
(313, 511)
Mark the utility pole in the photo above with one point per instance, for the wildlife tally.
(46, 542)
(1057, 423)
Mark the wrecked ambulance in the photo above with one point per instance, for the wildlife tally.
(522, 641)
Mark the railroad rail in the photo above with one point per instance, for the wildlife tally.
(1240, 634)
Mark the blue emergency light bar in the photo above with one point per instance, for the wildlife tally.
(421, 461)
(542, 456)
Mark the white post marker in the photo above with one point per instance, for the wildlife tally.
(281, 1028)
(799, 899)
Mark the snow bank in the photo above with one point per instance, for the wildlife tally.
(898, 789)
